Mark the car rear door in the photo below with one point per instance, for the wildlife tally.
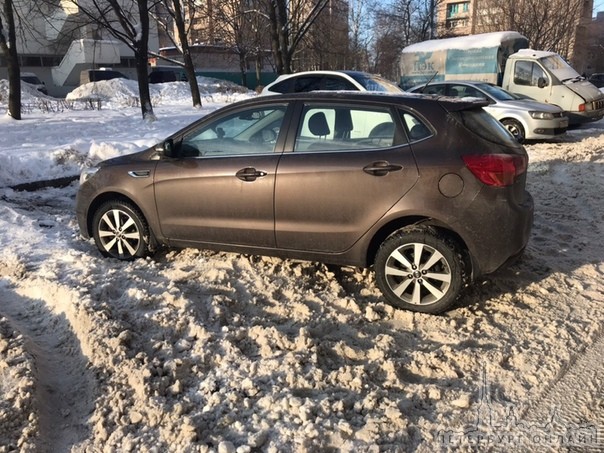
(348, 165)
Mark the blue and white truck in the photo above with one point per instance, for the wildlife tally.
(504, 58)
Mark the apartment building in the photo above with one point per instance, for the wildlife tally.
(56, 43)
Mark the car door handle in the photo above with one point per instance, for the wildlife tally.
(249, 174)
(381, 168)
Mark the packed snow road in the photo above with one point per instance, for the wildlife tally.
(196, 351)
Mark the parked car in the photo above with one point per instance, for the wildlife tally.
(302, 82)
(597, 79)
(523, 117)
(162, 74)
(430, 192)
(96, 75)
(34, 80)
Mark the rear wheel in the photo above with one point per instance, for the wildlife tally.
(120, 231)
(515, 128)
(418, 269)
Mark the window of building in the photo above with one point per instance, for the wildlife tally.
(454, 9)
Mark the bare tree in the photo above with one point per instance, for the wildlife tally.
(8, 45)
(234, 21)
(397, 25)
(548, 24)
(175, 18)
(325, 46)
(290, 21)
(359, 14)
(127, 21)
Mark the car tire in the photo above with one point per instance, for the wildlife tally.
(120, 230)
(418, 269)
(515, 128)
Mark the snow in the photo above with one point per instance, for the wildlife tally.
(464, 42)
(191, 350)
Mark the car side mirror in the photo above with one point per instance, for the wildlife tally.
(541, 82)
(166, 148)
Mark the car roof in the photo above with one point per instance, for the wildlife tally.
(409, 99)
(452, 82)
(326, 72)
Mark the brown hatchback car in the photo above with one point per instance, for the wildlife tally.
(430, 192)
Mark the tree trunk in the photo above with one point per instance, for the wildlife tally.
(283, 35)
(186, 54)
(9, 49)
(243, 69)
(274, 30)
(141, 48)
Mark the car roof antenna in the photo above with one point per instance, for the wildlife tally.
(429, 81)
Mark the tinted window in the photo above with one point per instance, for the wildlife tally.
(486, 126)
(307, 83)
(283, 87)
(432, 89)
(252, 131)
(328, 128)
(337, 83)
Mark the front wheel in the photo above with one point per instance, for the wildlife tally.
(120, 231)
(417, 269)
(515, 128)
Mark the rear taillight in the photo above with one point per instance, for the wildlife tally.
(497, 170)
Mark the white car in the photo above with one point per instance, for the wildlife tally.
(525, 118)
(301, 82)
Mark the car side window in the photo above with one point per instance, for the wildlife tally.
(433, 89)
(329, 128)
(454, 90)
(307, 83)
(416, 128)
(337, 83)
(284, 86)
(251, 131)
(528, 73)
(473, 92)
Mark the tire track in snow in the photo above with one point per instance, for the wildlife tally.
(64, 384)
(573, 407)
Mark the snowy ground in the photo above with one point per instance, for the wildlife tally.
(201, 351)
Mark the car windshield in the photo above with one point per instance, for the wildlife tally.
(560, 68)
(376, 83)
(498, 93)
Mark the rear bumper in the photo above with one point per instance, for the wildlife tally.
(504, 238)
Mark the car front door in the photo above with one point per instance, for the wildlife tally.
(348, 166)
(219, 187)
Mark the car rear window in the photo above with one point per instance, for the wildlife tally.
(485, 126)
